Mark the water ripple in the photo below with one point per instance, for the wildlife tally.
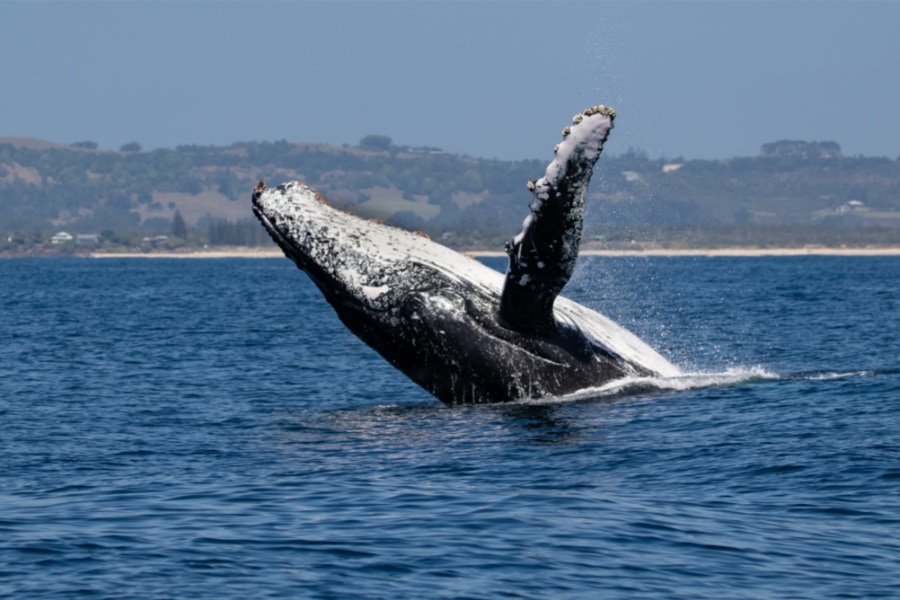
(210, 430)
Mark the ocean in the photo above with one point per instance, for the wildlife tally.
(209, 429)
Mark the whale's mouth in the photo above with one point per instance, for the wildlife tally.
(295, 253)
(279, 238)
(333, 286)
(291, 249)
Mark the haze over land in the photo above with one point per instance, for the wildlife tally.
(792, 193)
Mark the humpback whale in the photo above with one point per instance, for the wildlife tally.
(461, 330)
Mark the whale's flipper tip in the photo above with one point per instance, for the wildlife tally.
(542, 257)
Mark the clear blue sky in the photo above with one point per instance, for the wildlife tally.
(488, 79)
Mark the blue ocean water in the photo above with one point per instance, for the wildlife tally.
(209, 429)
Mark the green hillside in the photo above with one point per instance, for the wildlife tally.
(132, 194)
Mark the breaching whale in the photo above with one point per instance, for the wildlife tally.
(456, 327)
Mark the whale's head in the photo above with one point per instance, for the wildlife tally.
(359, 265)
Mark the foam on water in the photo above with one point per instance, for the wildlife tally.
(632, 386)
(628, 386)
(830, 376)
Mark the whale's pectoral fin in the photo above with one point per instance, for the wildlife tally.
(542, 257)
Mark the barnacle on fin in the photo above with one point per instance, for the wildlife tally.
(600, 109)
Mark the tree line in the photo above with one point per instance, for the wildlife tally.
(463, 200)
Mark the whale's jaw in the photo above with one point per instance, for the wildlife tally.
(362, 262)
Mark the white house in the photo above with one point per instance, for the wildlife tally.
(61, 238)
(87, 238)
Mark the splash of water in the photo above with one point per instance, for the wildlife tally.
(629, 386)
(634, 386)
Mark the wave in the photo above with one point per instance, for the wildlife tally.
(630, 386)
(831, 375)
(634, 386)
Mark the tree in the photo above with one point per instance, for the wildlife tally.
(179, 227)
(801, 148)
(86, 145)
(375, 142)
(130, 147)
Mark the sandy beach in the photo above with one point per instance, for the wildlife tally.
(671, 252)
(223, 253)
(810, 251)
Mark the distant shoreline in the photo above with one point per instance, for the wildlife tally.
(662, 252)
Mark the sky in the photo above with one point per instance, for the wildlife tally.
(489, 79)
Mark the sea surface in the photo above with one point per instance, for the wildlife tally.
(209, 429)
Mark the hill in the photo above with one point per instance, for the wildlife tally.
(785, 193)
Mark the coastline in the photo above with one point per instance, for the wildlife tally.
(661, 252)
(224, 253)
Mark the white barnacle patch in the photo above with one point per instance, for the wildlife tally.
(551, 176)
(541, 194)
(374, 293)
(358, 285)
(443, 304)
(525, 225)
